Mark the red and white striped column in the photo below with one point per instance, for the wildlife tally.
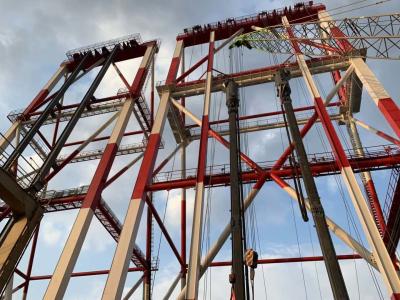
(195, 245)
(117, 276)
(59, 281)
(384, 262)
(351, 127)
(45, 91)
(40, 97)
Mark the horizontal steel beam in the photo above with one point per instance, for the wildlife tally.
(303, 12)
(282, 260)
(256, 76)
(254, 126)
(83, 274)
(318, 168)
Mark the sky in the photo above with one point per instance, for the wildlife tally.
(34, 37)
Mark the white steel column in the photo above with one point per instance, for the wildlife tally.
(60, 279)
(366, 178)
(195, 245)
(117, 276)
(172, 287)
(9, 136)
(216, 247)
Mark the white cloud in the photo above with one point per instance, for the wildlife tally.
(51, 234)
(7, 38)
(56, 227)
(97, 239)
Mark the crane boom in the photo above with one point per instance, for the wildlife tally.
(378, 35)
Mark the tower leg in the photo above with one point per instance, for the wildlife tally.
(117, 276)
(195, 245)
(59, 281)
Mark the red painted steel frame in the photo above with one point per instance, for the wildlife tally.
(38, 102)
(224, 29)
(257, 174)
(30, 262)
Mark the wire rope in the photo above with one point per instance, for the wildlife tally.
(163, 220)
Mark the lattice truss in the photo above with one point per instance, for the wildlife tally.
(318, 45)
(378, 36)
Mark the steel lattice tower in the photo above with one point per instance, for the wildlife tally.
(314, 44)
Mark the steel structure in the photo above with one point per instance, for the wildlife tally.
(314, 44)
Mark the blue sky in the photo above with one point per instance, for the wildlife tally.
(34, 37)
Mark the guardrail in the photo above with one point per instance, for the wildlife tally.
(370, 152)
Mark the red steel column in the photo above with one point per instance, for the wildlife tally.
(117, 276)
(69, 256)
(383, 259)
(195, 245)
(30, 263)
